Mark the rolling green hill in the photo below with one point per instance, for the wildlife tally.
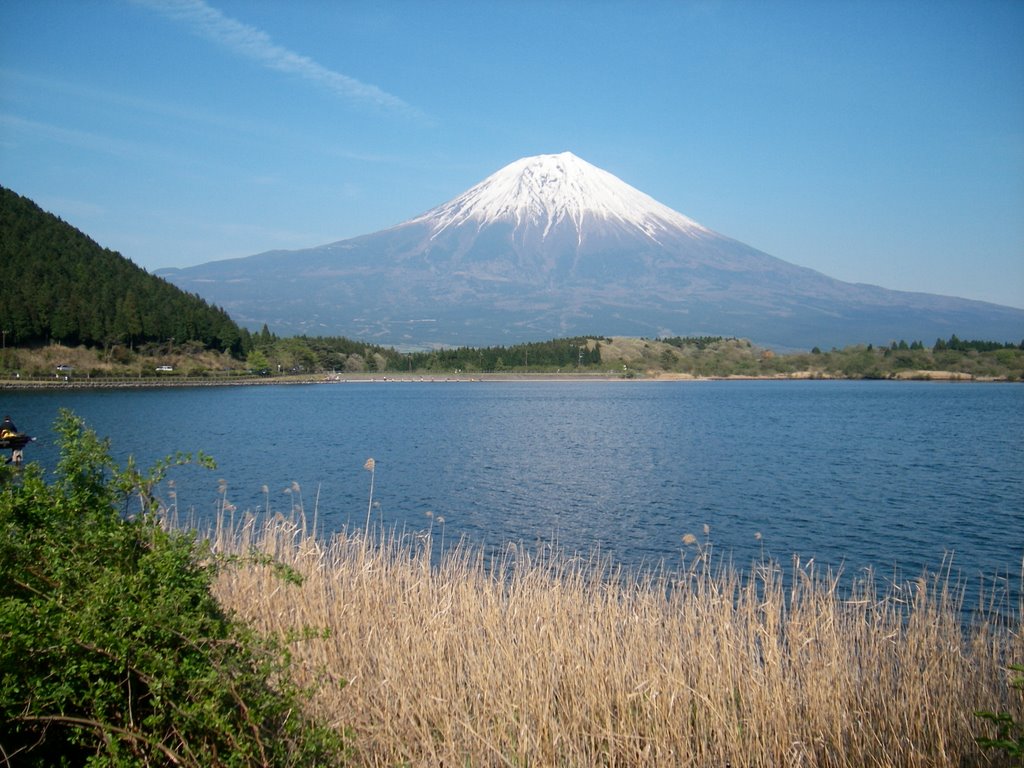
(61, 286)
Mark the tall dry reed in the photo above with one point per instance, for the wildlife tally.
(523, 658)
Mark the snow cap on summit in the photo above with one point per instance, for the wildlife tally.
(547, 190)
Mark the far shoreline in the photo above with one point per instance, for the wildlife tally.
(462, 378)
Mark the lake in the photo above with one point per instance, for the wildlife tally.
(896, 476)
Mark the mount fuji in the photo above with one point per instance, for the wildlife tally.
(552, 246)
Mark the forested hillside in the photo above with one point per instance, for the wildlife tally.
(61, 286)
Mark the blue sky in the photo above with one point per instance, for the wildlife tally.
(878, 142)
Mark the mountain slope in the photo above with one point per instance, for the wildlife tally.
(551, 246)
(60, 285)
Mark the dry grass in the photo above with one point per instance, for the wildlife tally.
(42, 361)
(527, 659)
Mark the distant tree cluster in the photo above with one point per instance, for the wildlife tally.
(901, 345)
(270, 354)
(697, 342)
(59, 285)
(960, 345)
(976, 359)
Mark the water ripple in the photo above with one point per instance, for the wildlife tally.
(864, 474)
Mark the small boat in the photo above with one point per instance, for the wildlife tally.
(15, 442)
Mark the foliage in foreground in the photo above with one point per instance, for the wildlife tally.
(1009, 731)
(113, 651)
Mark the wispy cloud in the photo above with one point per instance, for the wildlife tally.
(71, 89)
(255, 44)
(35, 130)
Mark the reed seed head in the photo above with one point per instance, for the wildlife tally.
(480, 650)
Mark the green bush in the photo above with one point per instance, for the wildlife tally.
(1009, 736)
(113, 651)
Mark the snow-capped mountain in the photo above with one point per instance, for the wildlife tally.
(540, 194)
(552, 246)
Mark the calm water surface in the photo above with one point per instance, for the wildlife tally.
(879, 474)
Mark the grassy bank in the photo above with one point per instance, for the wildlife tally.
(526, 659)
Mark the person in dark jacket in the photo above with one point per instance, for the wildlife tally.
(9, 431)
(7, 428)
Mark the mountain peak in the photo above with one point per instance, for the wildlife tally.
(550, 246)
(547, 191)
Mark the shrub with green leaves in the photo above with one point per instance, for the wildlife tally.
(1009, 732)
(113, 651)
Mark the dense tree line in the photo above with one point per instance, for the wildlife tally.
(301, 354)
(576, 352)
(59, 285)
(960, 345)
